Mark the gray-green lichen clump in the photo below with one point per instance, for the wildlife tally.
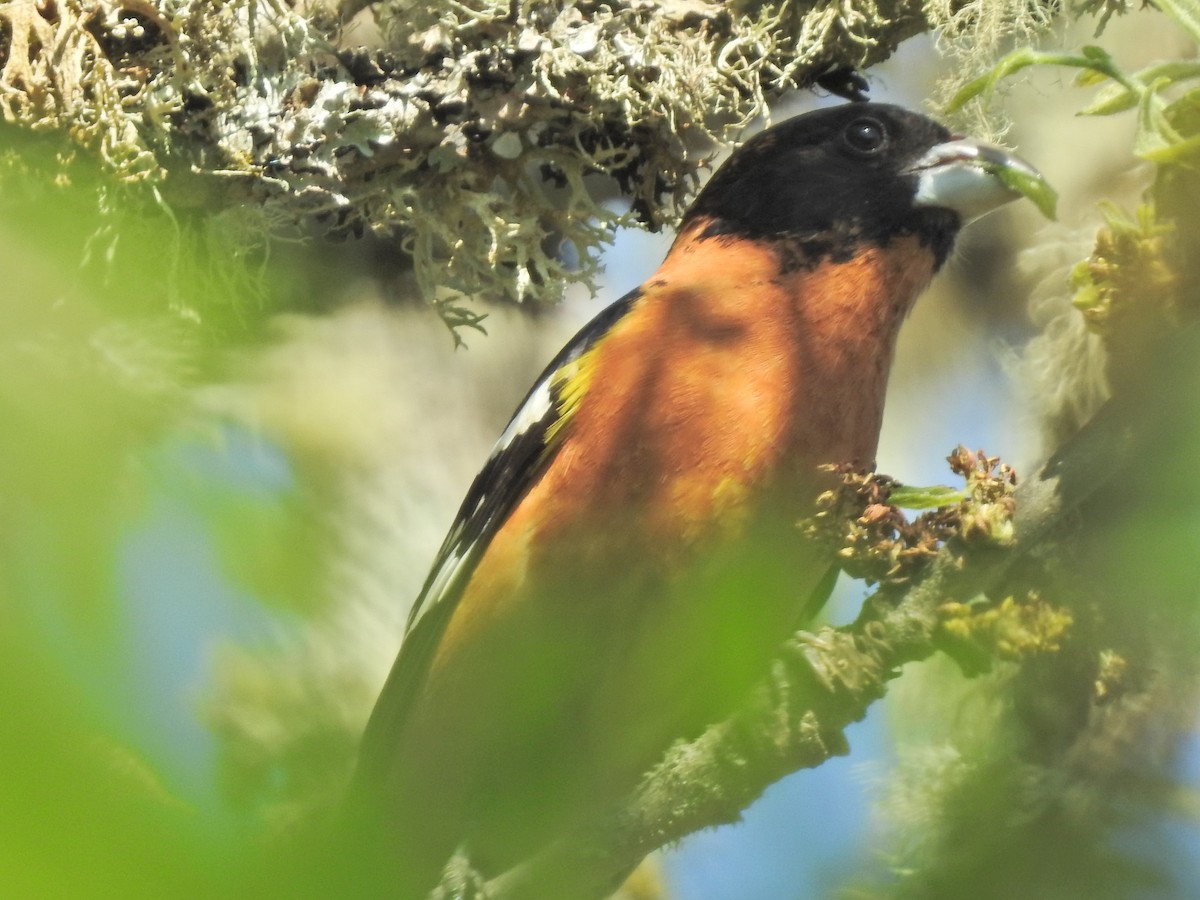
(483, 135)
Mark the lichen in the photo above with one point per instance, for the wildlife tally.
(485, 136)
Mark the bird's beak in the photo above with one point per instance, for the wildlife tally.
(972, 178)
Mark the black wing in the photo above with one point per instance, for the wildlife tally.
(524, 449)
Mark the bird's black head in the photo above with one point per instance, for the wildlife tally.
(859, 172)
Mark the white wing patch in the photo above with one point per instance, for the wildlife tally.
(518, 458)
(510, 465)
(532, 412)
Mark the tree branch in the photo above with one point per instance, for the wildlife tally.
(822, 684)
(468, 137)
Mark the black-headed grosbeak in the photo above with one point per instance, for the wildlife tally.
(626, 563)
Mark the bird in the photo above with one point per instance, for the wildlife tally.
(627, 562)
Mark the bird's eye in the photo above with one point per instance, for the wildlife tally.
(865, 136)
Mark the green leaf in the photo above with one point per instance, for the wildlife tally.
(1173, 71)
(1097, 54)
(1114, 98)
(931, 497)
(1183, 118)
(1092, 59)
(1171, 153)
(1155, 135)
(1184, 112)
(1089, 77)
(986, 84)
(1031, 185)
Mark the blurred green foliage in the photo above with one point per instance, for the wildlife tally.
(1072, 774)
(94, 377)
(114, 306)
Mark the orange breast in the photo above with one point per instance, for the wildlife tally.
(728, 382)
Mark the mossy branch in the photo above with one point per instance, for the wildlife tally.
(483, 136)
